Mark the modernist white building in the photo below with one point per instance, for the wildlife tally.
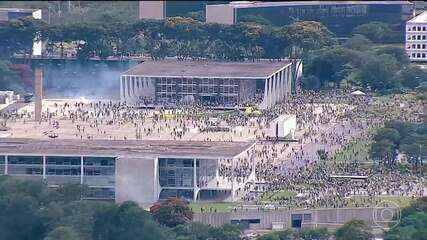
(416, 38)
(224, 83)
(132, 170)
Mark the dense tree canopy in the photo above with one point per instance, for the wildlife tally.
(407, 138)
(354, 230)
(172, 212)
(412, 223)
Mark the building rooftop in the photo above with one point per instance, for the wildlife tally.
(29, 10)
(174, 68)
(123, 148)
(421, 18)
(255, 4)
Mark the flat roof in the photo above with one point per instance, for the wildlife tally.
(123, 148)
(29, 10)
(421, 18)
(204, 69)
(255, 4)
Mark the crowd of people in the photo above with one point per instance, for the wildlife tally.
(327, 123)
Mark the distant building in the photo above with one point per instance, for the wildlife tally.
(416, 38)
(339, 16)
(8, 97)
(223, 83)
(163, 9)
(152, 10)
(9, 14)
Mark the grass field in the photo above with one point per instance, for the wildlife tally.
(211, 207)
(356, 150)
(275, 196)
(401, 201)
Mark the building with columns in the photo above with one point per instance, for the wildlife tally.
(221, 83)
(416, 38)
(142, 171)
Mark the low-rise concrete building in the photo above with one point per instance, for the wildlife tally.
(280, 219)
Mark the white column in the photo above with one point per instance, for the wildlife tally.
(121, 88)
(289, 90)
(232, 180)
(140, 86)
(270, 92)
(125, 88)
(5, 164)
(195, 180)
(265, 98)
(274, 88)
(44, 167)
(132, 87)
(81, 170)
(282, 86)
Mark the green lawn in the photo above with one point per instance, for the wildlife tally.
(356, 150)
(219, 207)
(275, 196)
(401, 201)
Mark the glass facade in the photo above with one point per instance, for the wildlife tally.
(98, 172)
(25, 165)
(340, 19)
(215, 90)
(2, 162)
(175, 172)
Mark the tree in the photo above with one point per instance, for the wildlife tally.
(8, 77)
(397, 52)
(354, 230)
(412, 223)
(314, 234)
(63, 233)
(358, 42)
(19, 218)
(199, 231)
(327, 64)
(375, 31)
(389, 134)
(278, 235)
(378, 73)
(384, 152)
(172, 212)
(412, 76)
(125, 221)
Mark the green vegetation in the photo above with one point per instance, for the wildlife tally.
(379, 32)
(354, 230)
(278, 195)
(357, 150)
(412, 223)
(360, 64)
(408, 138)
(32, 211)
(212, 207)
(401, 201)
(304, 234)
(172, 212)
